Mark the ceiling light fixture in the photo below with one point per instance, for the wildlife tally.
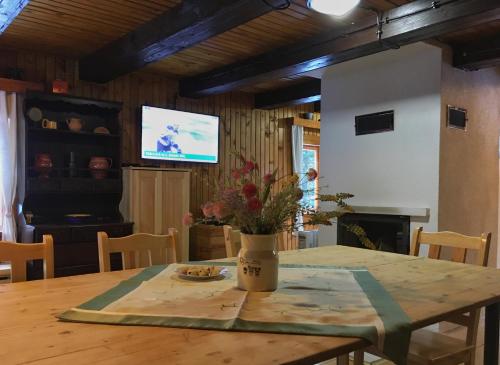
(335, 7)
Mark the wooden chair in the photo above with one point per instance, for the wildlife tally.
(288, 241)
(428, 347)
(19, 253)
(232, 240)
(138, 250)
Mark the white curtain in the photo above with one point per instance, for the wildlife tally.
(8, 164)
(297, 147)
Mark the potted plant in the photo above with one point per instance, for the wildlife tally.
(263, 207)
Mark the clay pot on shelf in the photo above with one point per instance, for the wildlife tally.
(74, 124)
(99, 166)
(43, 165)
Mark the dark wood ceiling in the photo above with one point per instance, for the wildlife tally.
(275, 29)
(80, 27)
(470, 35)
(77, 27)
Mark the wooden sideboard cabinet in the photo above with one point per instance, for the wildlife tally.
(69, 199)
(156, 199)
(75, 246)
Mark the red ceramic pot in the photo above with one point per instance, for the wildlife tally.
(43, 165)
(99, 167)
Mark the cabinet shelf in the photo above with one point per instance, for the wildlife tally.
(67, 185)
(80, 173)
(74, 101)
(64, 132)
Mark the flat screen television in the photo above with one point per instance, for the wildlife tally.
(172, 135)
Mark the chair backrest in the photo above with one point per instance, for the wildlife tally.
(460, 245)
(19, 253)
(288, 241)
(137, 250)
(232, 240)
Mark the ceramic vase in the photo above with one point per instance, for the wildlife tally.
(74, 124)
(43, 165)
(99, 167)
(258, 262)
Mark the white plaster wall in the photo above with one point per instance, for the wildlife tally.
(398, 168)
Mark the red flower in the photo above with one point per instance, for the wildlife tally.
(249, 167)
(312, 174)
(249, 190)
(254, 205)
(269, 179)
(219, 210)
(236, 174)
(208, 209)
(188, 219)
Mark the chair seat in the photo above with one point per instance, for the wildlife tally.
(428, 347)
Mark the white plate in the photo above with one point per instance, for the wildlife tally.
(221, 275)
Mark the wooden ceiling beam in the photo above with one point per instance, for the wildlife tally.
(305, 92)
(9, 10)
(412, 22)
(477, 55)
(189, 23)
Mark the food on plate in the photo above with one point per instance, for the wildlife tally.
(200, 271)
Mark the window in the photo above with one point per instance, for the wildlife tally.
(310, 159)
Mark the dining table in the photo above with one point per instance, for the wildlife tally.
(428, 291)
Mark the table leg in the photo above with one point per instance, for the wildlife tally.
(491, 336)
(343, 359)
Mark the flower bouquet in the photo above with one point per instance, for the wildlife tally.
(263, 206)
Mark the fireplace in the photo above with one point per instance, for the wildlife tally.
(388, 232)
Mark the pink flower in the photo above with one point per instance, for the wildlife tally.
(208, 209)
(312, 174)
(249, 190)
(230, 194)
(269, 179)
(188, 219)
(219, 210)
(254, 205)
(236, 174)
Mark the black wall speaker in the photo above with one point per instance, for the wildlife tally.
(457, 117)
(374, 123)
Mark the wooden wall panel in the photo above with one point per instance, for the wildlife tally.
(255, 133)
(469, 164)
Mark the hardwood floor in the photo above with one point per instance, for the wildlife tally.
(455, 331)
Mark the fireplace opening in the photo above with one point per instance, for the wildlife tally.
(389, 233)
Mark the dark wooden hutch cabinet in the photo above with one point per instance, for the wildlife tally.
(69, 202)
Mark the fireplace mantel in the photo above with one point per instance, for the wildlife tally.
(408, 211)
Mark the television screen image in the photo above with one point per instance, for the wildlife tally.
(173, 135)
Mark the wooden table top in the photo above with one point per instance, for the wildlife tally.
(428, 291)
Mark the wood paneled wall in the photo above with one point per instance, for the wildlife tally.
(469, 164)
(259, 134)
